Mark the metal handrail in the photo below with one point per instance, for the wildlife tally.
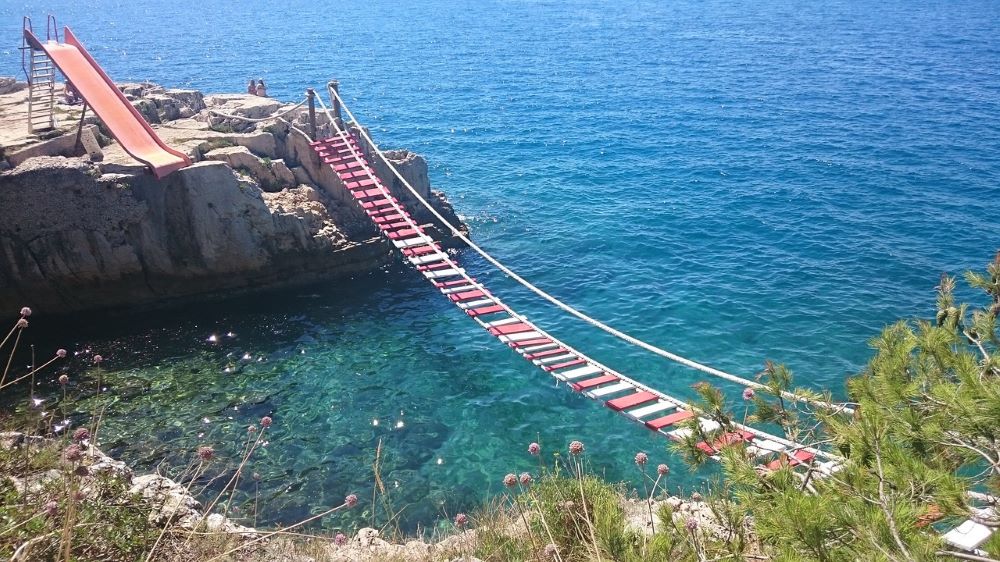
(51, 29)
(25, 47)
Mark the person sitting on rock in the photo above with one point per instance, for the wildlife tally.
(72, 96)
(261, 88)
(252, 87)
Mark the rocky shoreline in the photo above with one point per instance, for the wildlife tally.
(84, 226)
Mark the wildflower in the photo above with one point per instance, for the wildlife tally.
(351, 500)
(81, 434)
(73, 453)
(25, 312)
(252, 428)
(61, 353)
(691, 524)
(510, 480)
(265, 422)
(748, 393)
(82, 471)
(575, 448)
(641, 458)
(22, 323)
(525, 479)
(551, 551)
(98, 359)
(340, 539)
(78, 496)
(51, 508)
(534, 449)
(696, 497)
(662, 470)
(64, 379)
(461, 520)
(256, 477)
(206, 453)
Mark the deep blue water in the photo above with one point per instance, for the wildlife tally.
(733, 181)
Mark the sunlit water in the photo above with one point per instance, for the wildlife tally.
(731, 181)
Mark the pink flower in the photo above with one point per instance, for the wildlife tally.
(64, 379)
(61, 353)
(551, 551)
(351, 500)
(340, 539)
(81, 434)
(575, 448)
(748, 393)
(662, 470)
(73, 453)
(98, 359)
(206, 453)
(691, 524)
(510, 480)
(51, 508)
(525, 479)
(461, 520)
(534, 449)
(252, 429)
(696, 497)
(22, 323)
(265, 422)
(641, 458)
(25, 312)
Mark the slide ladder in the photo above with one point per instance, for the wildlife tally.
(122, 120)
(41, 76)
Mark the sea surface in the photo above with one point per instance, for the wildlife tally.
(733, 181)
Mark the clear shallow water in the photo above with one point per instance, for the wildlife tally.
(730, 181)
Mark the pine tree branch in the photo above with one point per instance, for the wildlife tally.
(883, 503)
(963, 556)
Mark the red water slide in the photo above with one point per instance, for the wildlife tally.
(96, 88)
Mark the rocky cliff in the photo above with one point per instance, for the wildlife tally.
(257, 210)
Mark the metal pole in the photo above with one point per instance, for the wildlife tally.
(335, 85)
(79, 129)
(311, 94)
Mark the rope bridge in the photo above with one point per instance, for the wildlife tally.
(640, 403)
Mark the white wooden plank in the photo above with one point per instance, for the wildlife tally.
(707, 425)
(611, 389)
(503, 322)
(416, 241)
(474, 304)
(761, 447)
(577, 373)
(652, 409)
(970, 534)
(443, 273)
(462, 289)
(537, 348)
(427, 258)
(520, 336)
(554, 359)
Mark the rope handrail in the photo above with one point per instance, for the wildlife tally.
(837, 408)
(260, 119)
(791, 445)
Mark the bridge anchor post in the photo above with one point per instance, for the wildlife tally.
(311, 95)
(335, 86)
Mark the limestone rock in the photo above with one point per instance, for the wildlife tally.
(171, 502)
(9, 84)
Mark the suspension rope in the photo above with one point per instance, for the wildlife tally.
(569, 309)
(261, 119)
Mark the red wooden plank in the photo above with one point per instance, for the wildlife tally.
(725, 440)
(619, 404)
(420, 250)
(445, 284)
(367, 193)
(798, 457)
(511, 329)
(467, 296)
(540, 354)
(670, 419)
(596, 381)
(378, 203)
(348, 167)
(492, 309)
(529, 343)
(395, 225)
(405, 233)
(571, 363)
(434, 266)
(389, 218)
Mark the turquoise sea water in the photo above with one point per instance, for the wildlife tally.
(733, 181)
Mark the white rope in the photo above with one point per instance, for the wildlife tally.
(790, 445)
(261, 119)
(569, 309)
